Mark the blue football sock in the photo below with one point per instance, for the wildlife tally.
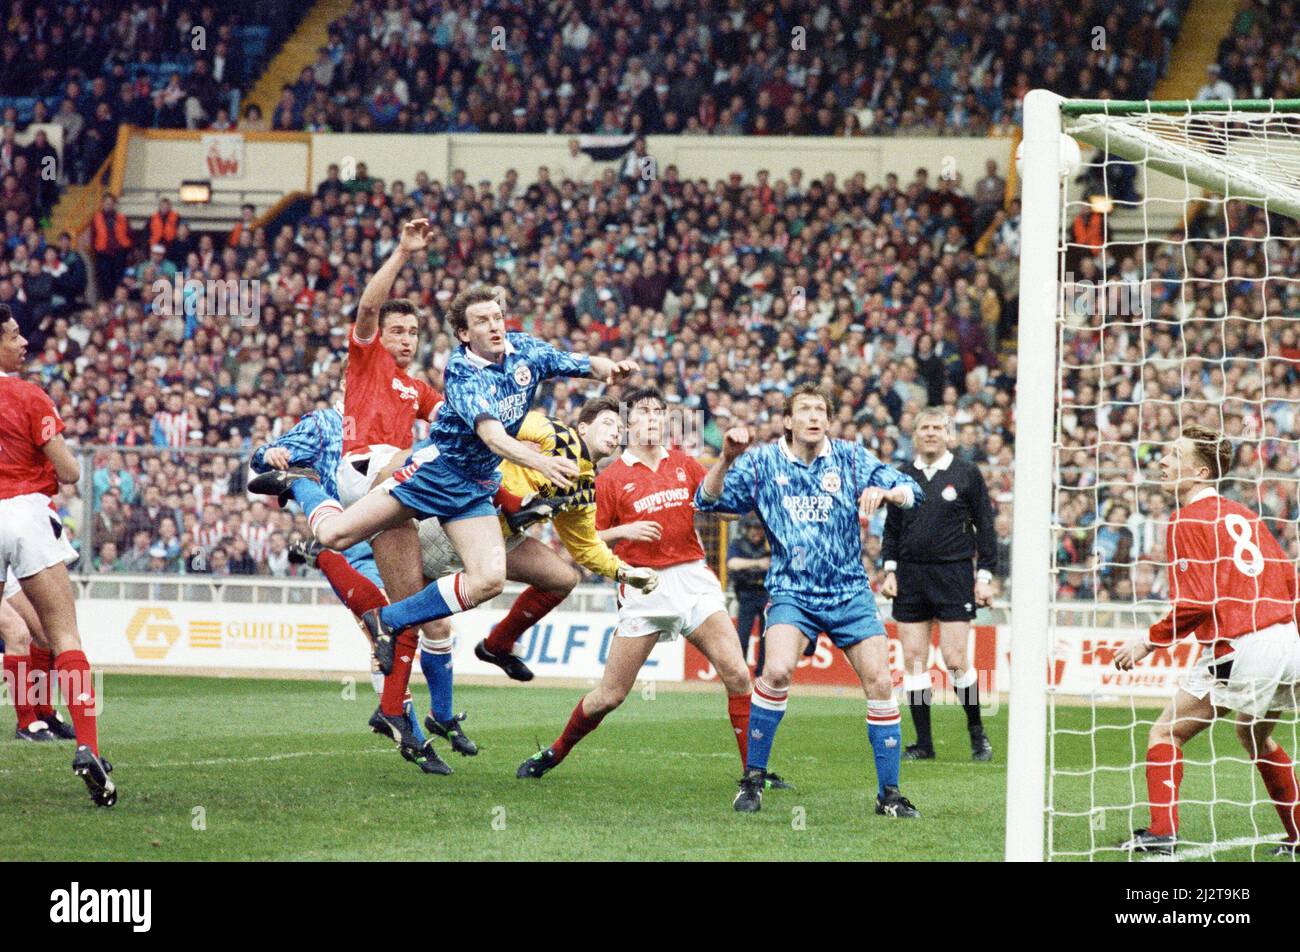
(436, 600)
(308, 493)
(886, 736)
(767, 707)
(409, 709)
(437, 669)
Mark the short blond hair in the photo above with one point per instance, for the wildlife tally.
(1213, 449)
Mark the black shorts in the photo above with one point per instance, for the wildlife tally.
(935, 591)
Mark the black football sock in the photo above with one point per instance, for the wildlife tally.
(967, 688)
(919, 697)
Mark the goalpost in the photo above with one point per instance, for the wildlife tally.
(1107, 316)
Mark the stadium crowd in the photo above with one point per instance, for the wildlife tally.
(728, 294)
(781, 67)
(90, 66)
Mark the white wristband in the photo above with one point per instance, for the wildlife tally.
(984, 575)
(891, 566)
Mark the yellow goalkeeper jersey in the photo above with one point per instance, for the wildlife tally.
(575, 523)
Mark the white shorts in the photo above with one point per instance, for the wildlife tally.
(687, 594)
(1264, 674)
(12, 587)
(353, 484)
(438, 556)
(31, 537)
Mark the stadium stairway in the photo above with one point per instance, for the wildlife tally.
(1204, 26)
(298, 51)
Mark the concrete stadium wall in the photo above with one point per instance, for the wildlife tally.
(711, 157)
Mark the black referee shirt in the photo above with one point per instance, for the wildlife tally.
(952, 523)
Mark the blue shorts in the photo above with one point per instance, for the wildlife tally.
(434, 490)
(847, 623)
(362, 558)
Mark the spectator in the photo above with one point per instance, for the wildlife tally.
(163, 224)
(111, 240)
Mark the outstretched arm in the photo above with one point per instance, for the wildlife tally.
(1191, 590)
(415, 238)
(299, 446)
(557, 469)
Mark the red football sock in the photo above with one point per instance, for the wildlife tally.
(529, 608)
(738, 711)
(580, 725)
(353, 589)
(395, 693)
(1279, 779)
(40, 673)
(1164, 775)
(72, 672)
(507, 501)
(17, 673)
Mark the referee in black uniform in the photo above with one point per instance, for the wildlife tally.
(928, 552)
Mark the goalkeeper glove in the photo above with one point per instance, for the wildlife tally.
(645, 579)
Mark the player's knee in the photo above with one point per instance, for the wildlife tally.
(331, 536)
(16, 639)
(1253, 738)
(954, 660)
(735, 678)
(777, 674)
(605, 699)
(880, 686)
(1161, 732)
(484, 587)
(565, 581)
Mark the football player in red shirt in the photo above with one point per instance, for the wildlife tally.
(381, 402)
(34, 459)
(1234, 590)
(645, 509)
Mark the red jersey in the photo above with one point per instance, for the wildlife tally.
(1227, 575)
(28, 421)
(629, 491)
(382, 401)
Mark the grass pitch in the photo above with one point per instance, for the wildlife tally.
(249, 769)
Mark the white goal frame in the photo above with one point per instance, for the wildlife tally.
(1041, 236)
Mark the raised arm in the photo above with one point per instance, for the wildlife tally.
(729, 486)
(415, 238)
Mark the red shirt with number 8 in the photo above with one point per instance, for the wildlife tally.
(1227, 575)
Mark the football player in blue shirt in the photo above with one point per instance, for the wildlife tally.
(490, 382)
(811, 491)
(316, 442)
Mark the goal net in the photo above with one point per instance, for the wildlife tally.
(1160, 268)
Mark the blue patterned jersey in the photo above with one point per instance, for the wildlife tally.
(810, 514)
(315, 441)
(476, 389)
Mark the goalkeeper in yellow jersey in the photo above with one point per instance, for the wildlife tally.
(550, 578)
(573, 514)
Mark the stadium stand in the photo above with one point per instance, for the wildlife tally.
(796, 67)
